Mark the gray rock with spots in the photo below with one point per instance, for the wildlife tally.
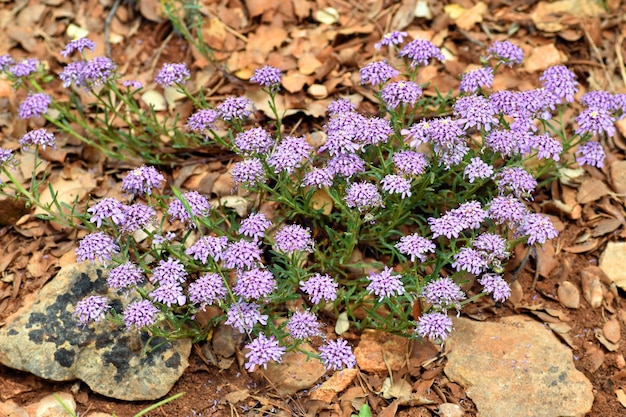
(44, 339)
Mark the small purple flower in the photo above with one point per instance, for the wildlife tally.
(249, 172)
(235, 108)
(267, 76)
(261, 351)
(169, 293)
(415, 247)
(548, 147)
(289, 154)
(98, 71)
(39, 137)
(134, 84)
(254, 226)
(171, 74)
(202, 121)
(507, 209)
(491, 245)
(410, 163)
(435, 326)
(392, 38)
(385, 284)
(337, 354)
(342, 129)
(7, 159)
(507, 53)
(293, 238)
(6, 61)
(363, 196)
(496, 286)
(208, 247)
(421, 51)
(340, 105)
(24, 68)
(395, 184)
(106, 208)
(505, 102)
(96, 246)
(377, 73)
(241, 254)
(92, 308)
(470, 260)
(346, 165)
(560, 81)
(318, 177)
(373, 131)
(516, 180)
(477, 169)
(304, 325)
(444, 293)
(538, 227)
(447, 225)
(207, 290)
(590, 153)
(320, 287)
(136, 217)
(243, 316)
(399, 93)
(140, 181)
(255, 140)
(475, 111)
(470, 215)
(600, 100)
(169, 270)
(199, 206)
(595, 121)
(254, 283)
(77, 45)
(35, 105)
(140, 314)
(472, 81)
(503, 141)
(73, 73)
(124, 276)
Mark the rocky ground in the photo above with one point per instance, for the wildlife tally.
(553, 349)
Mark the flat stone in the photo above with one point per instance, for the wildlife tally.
(516, 368)
(296, 372)
(378, 349)
(43, 338)
(49, 406)
(334, 385)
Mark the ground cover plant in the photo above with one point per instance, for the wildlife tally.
(378, 226)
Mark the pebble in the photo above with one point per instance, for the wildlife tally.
(592, 287)
(296, 372)
(450, 410)
(568, 295)
(378, 350)
(611, 330)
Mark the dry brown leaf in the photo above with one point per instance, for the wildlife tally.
(308, 63)
(543, 57)
(302, 8)
(605, 226)
(151, 10)
(322, 201)
(591, 189)
(549, 16)
(214, 33)
(67, 190)
(621, 397)
(470, 17)
(266, 38)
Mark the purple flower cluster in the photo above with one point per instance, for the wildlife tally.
(472, 81)
(289, 154)
(389, 39)
(137, 216)
(261, 351)
(340, 105)
(96, 246)
(506, 53)
(595, 121)
(206, 290)
(560, 81)
(385, 284)
(77, 45)
(254, 283)
(538, 227)
(496, 286)
(435, 326)
(342, 129)
(363, 196)
(304, 325)
(318, 177)
(395, 184)
(267, 76)
(469, 260)
(517, 181)
(477, 169)
(254, 141)
(106, 208)
(254, 226)
(421, 51)
(249, 172)
(169, 270)
(141, 181)
(243, 316)
(171, 74)
(35, 105)
(320, 287)
(241, 254)
(346, 165)
(23, 68)
(475, 111)
(38, 137)
(208, 247)
(125, 276)
(293, 238)
(415, 247)
(373, 130)
(169, 293)
(377, 73)
(198, 206)
(92, 308)
(467, 215)
(590, 153)
(337, 354)
(410, 163)
(443, 293)
(403, 93)
(202, 121)
(140, 314)
(507, 210)
(548, 147)
(235, 108)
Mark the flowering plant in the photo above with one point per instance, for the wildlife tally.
(390, 210)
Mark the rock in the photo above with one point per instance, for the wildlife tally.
(334, 385)
(568, 295)
(611, 330)
(592, 286)
(378, 349)
(618, 173)
(450, 410)
(49, 406)
(43, 338)
(296, 372)
(611, 263)
(516, 366)
(10, 408)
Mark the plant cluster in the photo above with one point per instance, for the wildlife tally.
(390, 210)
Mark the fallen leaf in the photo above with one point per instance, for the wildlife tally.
(328, 16)
(591, 189)
(471, 16)
(548, 16)
(621, 397)
(543, 57)
(155, 100)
